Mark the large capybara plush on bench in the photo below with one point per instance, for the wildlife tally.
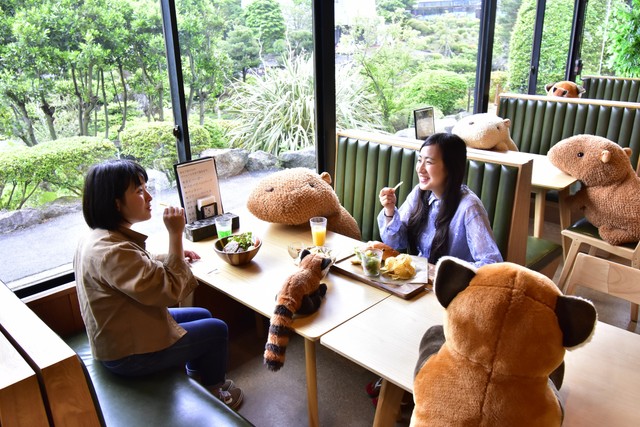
(610, 196)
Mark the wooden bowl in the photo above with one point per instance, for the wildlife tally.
(236, 258)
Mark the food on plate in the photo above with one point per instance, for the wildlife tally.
(239, 243)
(387, 251)
(399, 267)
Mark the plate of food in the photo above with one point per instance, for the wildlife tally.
(401, 274)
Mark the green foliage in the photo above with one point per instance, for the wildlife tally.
(275, 112)
(442, 89)
(154, 146)
(553, 52)
(62, 164)
(265, 17)
(625, 40)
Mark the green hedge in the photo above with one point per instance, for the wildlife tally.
(154, 146)
(60, 165)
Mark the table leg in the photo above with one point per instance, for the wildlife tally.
(565, 218)
(388, 404)
(538, 212)
(312, 382)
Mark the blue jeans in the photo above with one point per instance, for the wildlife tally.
(203, 349)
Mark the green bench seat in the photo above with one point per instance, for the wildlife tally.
(610, 88)
(540, 122)
(168, 398)
(367, 162)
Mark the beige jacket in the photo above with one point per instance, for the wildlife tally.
(124, 293)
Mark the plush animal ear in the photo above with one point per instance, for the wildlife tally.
(507, 122)
(548, 86)
(304, 253)
(326, 177)
(326, 262)
(627, 151)
(605, 156)
(452, 277)
(581, 90)
(577, 319)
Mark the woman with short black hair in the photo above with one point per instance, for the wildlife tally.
(124, 291)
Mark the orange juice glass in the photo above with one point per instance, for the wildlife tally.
(318, 230)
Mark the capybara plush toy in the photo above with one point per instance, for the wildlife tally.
(293, 196)
(564, 89)
(498, 359)
(485, 131)
(610, 193)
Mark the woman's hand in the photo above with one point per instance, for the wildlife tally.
(191, 256)
(173, 218)
(388, 200)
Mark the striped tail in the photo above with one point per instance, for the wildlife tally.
(279, 331)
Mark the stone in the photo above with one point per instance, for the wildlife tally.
(229, 161)
(305, 158)
(261, 160)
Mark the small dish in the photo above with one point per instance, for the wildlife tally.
(236, 258)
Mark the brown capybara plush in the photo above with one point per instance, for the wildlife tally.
(610, 195)
(564, 89)
(293, 196)
(498, 358)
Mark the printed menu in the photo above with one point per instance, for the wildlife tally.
(197, 179)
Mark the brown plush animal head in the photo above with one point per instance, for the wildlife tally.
(506, 329)
(485, 131)
(564, 89)
(594, 160)
(293, 196)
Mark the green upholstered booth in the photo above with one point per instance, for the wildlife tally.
(539, 122)
(610, 88)
(367, 162)
(168, 398)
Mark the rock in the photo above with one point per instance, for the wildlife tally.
(158, 181)
(229, 161)
(261, 160)
(12, 220)
(305, 158)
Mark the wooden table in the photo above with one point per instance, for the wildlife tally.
(544, 177)
(601, 384)
(256, 284)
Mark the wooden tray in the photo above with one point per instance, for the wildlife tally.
(405, 289)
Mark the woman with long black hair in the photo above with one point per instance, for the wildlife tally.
(441, 216)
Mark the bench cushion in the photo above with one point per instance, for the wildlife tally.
(168, 398)
(611, 88)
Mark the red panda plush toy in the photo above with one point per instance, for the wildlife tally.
(564, 89)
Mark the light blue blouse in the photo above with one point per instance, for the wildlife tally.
(470, 235)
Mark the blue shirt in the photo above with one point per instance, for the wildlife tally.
(470, 235)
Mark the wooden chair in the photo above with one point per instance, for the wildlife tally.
(605, 276)
(585, 234)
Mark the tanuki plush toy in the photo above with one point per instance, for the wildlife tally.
(610, 194)
(498, 360)
(293, 196)
(564, 89)
(485, 131)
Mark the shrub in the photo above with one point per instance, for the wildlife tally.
(439, 88)
(62, 164)
(154, 146)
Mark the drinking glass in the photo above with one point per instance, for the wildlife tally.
(223, 226)
(318, 230)
(295, 248)
(371, 260)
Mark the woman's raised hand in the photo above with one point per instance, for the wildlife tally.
(388, 200)
(173, 218)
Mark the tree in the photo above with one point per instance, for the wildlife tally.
(440, 88)
(266, 19)
(625, 39)
(243, 49)
(207, 65)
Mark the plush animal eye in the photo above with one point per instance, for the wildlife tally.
(580, 154)
(564, 92)
(312, 184)
(269, 190)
